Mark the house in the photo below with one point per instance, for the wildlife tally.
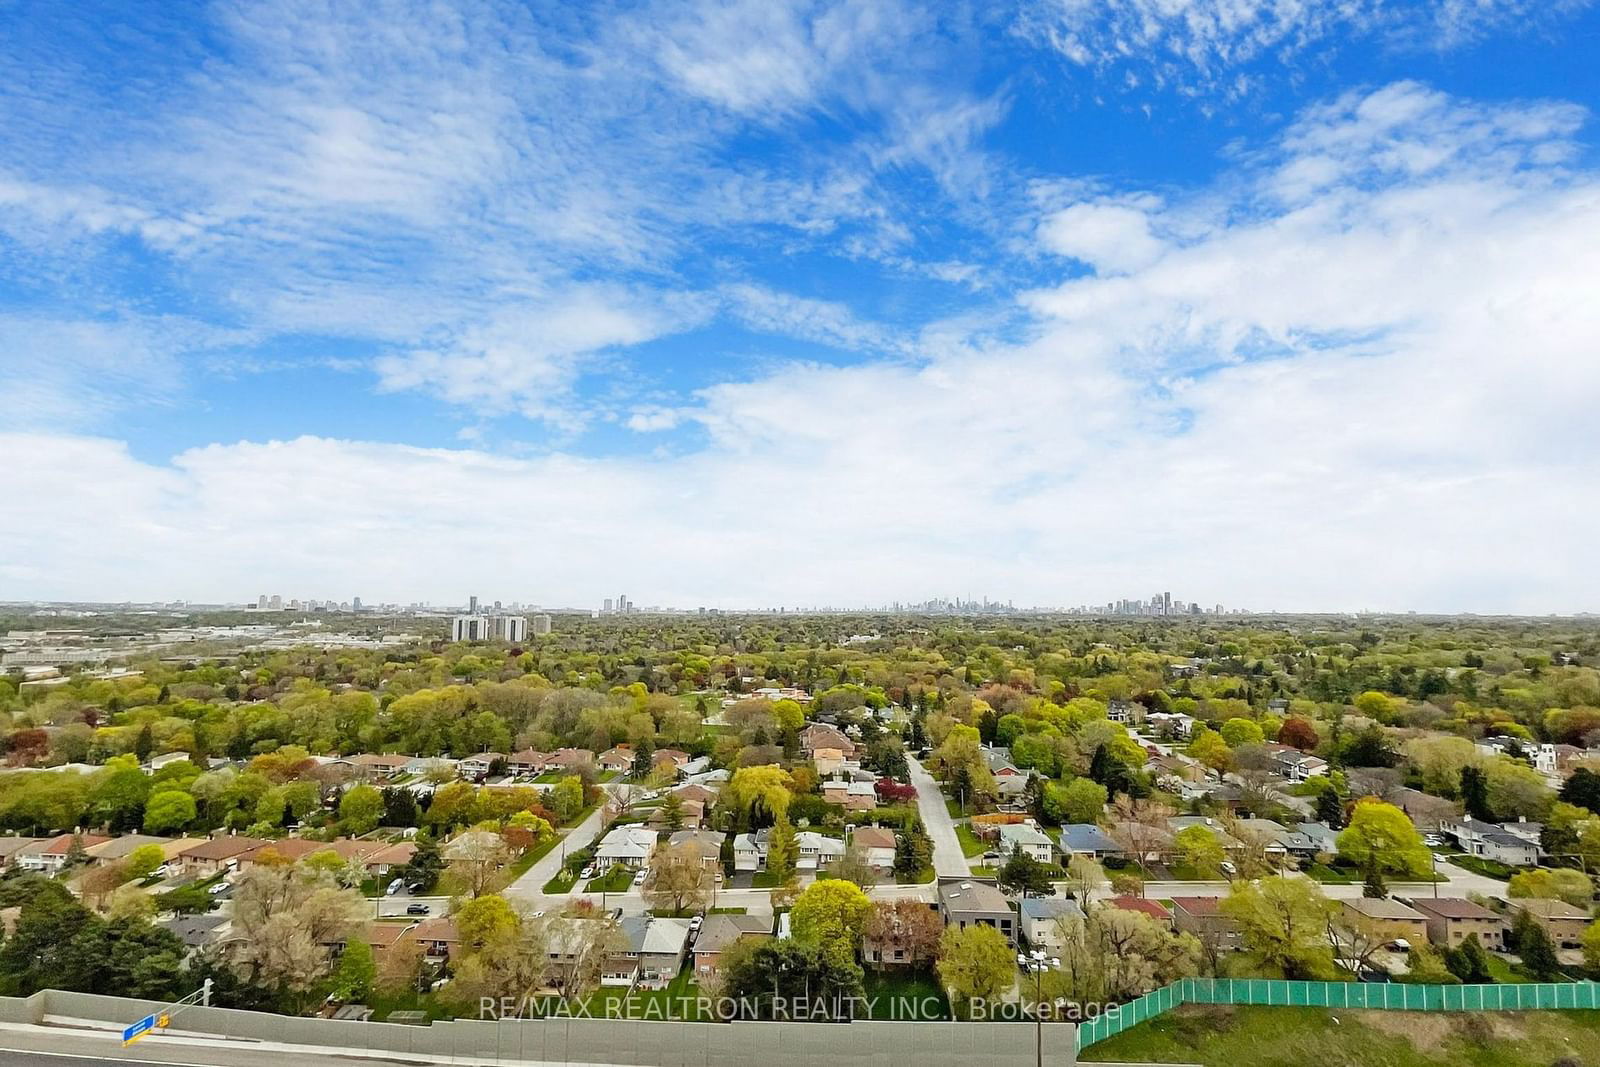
(165, 759)
(384, 936)
(965, 902)
(669, 757)
(1127, 712)
(376, 766)
(619, 758)
(437, 936)
(1180, 768)
(528, 761)
(1499, 745)
(1179, 725)
(698, 793)
(852, 796)
(1203, 917)
(1029, 840)
(217, 854)
(629, 846)
(708, 842)
(722, 932)
(1294, 765)
(51, 854)
(478, 764)
(387, 858)
(1452, 919)
(750, 851)
(1393, 919)
(1144, 906)
(820, 735)
(197, 932)
(690, 814)
(1556, 760)
(999, 763)
(1564, 922)
(120, 848)
(831, 761)
(10, 846)
(569, 759)
(1311, 838)
(877, 844)
(1427, 811)
(881, 952)
(816, 850)
(1012, 790)
(1492, 842)
(1042, 920)
(1087, 839)
(657, 945)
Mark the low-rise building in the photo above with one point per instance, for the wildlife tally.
(657, 946)
(722, 932)
(478, 764)
(1203, 917)
(1492, 842)
(1564, 922)
(707, 842)
(1143, 905)
(1451, 920)
(1029, 840)
(217, 854)
(965, 902)
(877, 844)
(1044, 921)
(1087, 839)
(51, 855)
(437, 936)
(1392, 919)
(629, 846)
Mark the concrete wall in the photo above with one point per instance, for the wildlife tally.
(603, 1041)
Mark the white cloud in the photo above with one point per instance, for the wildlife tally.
(1370, 389)
(1112, 237)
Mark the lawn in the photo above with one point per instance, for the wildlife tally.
(904, 996)
(922, 877)
(766, 880)
(1270, 1037)
(678, 1001)
(563, 882)
(616, 880)
(971, 844)
(1487, 868)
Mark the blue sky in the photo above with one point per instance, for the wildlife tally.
(1266, 302)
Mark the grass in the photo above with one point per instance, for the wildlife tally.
(563, 882)
(1270, 1037)
(728, 911)
(680, 1000)
(616, 880)
(766, 880)
(1332, 875)
(902, 995)
(922, 877)
(971, 844)
(1487, 868)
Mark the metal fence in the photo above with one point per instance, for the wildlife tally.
(1376, 996)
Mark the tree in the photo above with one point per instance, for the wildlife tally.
(1469, 962)
(283, 917)
(565, 798)
(913, 853)
(476, 859)
(1114, 955)
(357, 970)
(764, 978)
(1200, 849)
(1283, 922)
(1538, 952)
(422, 872)
(1330, 807)
(168, 811)
(758, 796)
(1591, 949)
(1236, 732)
(1207, 746)
(1559, 883)
(854, 867)
(143, 861)
(1516, 790)
(908, 927)
(679, 881)
(831, 914)
(782, 851)
(485, 920)
(1475, 793)
(1083, 875)
(1381, 838)
(1583, 789)
(1026, 875)
(1298, 733)
(1078, 801)
(975, 964)
(360, 809)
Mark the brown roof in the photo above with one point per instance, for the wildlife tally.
(59, 846)
(1549, 909)
(382, 935)
(1152, 908)
(379, 759)
(224, 848)
(439, 928)
(394, 855)
(1452, 908)
(874, 837)
(1198, 905)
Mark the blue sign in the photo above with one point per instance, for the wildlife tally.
(139, 1029)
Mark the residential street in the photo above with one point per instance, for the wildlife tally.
(948, 860)
(530, 886)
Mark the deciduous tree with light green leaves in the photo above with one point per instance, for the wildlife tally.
(1560, 883)
(169, 811)
(1200, 849)
(975, 964)
(1209, 748)
(1283, 923)
(1078, 801)
(1238, 732)
(831, 914)
(1382, 838)
(360, 809)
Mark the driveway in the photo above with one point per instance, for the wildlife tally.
(948, 860)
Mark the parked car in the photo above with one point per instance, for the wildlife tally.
(396, 885)
(218, 889)
(1229, 869)
(695, 923)
(166, 870)
(644, 872)
(587, 872)
(416, 909)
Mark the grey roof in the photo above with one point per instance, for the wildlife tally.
(1050, 908)
(720, 931)
(970, 894)
(195, 931)
(1020, 834)
(1086, 837)
(655, 936)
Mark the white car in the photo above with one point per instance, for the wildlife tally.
(587, 872)
(220, 887)
(396, 885)
(639, 878)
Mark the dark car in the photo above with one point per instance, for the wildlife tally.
(416, 909)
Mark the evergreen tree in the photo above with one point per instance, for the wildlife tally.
(1100, 765)
(1538, 952)
(1475, 793)
(1330, 808)
(1022, 873)
(1469, 962)
(1374, 887)
(642, 762)
(1583, 789)
(144, 744)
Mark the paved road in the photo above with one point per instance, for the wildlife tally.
(530, 886)
(59, 1047)
(948, 859)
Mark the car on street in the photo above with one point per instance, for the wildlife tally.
(416, 909)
